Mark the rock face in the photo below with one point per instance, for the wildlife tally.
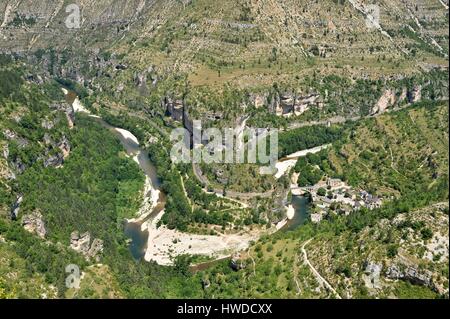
(389, 98)
(175, 108)
(57, 160)
(385, 101)
(12, 136)
(34, 224)
(5, 171)
(141, 79)
(206, 283)
(372, 273)
(70, 115)
(35, 78)
(316, 218)
(237, 263)
(415, 95)
(16, 163)
(15, 209)
(68, 110)
(288, 104)
(82, 244)
(412, 274)
(178, 111)
(48, 125)
(96, 248)
(258, 100)
(64, 146)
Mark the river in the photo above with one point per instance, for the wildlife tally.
(133, 229)
(301, 206)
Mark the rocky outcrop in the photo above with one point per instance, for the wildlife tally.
(304, 103)
(237, 263)
(404, 95)
(34, 224)
(258, 100)
(96, 249)
(68, 110)
(372, 272)
(47, 124)
(15, 209)
(17, 164)
(206, 283)
(64, 146)
(288, 104)
(70, 115)
(5, 151)
(82, 244)
(415, 95)
(316, 218)
(174, 108)
(412, 274)
(385, 101)
(121, 67)
(389, 98)
(5, 171)
(12, 136)
(35, 78)
(188, 122)
(142, 78)
(56, 159)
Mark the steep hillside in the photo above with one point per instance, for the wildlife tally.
(406, 257)
(397, 154)
(238, 53)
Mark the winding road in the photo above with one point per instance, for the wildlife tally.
(322, 281)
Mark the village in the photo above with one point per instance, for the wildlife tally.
(332, 195)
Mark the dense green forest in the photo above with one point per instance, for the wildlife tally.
(310, 169)
(96, 187)
(307, 137)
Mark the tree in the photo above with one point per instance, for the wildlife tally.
(182, 264)
(322, 191)
(427, 233)
(392, 251)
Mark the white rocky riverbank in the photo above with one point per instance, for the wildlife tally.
(283, 167)
(164, 244)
